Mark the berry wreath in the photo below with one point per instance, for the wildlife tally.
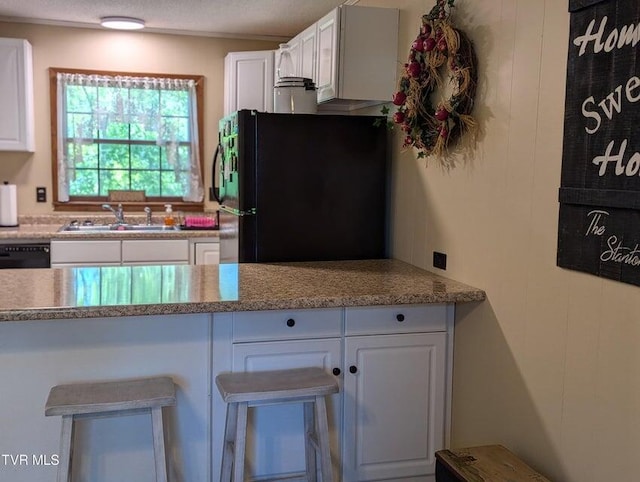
(431, 129)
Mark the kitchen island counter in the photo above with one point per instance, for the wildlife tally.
(45, 294)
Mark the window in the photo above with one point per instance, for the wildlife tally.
(117, 131)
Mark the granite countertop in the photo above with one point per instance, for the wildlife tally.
(43, 294)
(46, 227)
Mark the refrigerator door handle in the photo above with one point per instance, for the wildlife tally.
(238, 212)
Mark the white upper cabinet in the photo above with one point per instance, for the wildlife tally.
(351, 55)
(308, 53)
(248, 81)
(16, 96)
(357, 54)
(328, 55)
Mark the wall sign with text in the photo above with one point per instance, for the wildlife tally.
(599, 222)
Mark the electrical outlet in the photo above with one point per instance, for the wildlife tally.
(439, 260)
(41, 194)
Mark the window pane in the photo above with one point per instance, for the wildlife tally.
(175, 129)
(176, 158)
(144, 110)
(149, 181)
(126, 133)
(170, 185)
(113, 179)
(145, 157)
(83, 182)
(114, 156)
(174, 103)
(81, 126)
(114, 130)
(82, 155)
(81, 99)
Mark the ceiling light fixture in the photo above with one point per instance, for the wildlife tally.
(122, 23)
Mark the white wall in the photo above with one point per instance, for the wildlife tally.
(98, 49)
(549, 364)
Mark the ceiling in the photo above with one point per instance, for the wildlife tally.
(253, 19)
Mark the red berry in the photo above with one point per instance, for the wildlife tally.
(406, 127)
(418, 44)
(429, 44)
(414, 69)
(398, 117)
(444, 132)
(408, 141)
(426, 30)
(442, 44)
(442, 114)
(399, 98)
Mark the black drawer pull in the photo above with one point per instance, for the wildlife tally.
(353, 369)
(400, 317)
(336, 371)
(291, 322)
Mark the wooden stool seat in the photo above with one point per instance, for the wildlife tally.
(113, 398)
(308, 386)
(487, 462)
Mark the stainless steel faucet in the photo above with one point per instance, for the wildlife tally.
(147, 210)
(118, 212)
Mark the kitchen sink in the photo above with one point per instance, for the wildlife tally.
(96, 228)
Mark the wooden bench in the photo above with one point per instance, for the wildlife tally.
(488, 463)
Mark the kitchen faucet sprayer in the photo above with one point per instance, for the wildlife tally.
(147, 210)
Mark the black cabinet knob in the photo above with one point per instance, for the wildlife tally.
(291, 322)
(353, 369)
(400, 317)
(336, 371)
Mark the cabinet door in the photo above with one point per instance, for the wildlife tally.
(275, 441)
(206, 253)
(85, 252)
(327, 38)
(394, 393)
(308, 50)
(145, 251)
(16, 96)
(249, 81)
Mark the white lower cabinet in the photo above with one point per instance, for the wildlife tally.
(67, 253)
(116, 252)
(206, 253)
(392, 363)
(394, 398)
(155, 251)
(275, 443)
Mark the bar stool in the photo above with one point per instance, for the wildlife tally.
(308, 386)
(115, 398)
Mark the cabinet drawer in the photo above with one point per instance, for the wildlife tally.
(84, 251)
(286, 325)
(155, 250)
(395, 319)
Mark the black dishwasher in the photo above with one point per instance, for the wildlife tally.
(25, 255)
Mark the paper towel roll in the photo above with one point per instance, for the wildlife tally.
(8, 205)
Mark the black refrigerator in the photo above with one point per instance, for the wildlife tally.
(302, 187)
